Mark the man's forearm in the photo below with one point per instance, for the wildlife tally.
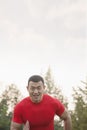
(26, 126)
(15, 126)
(68, 124)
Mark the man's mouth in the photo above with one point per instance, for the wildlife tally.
(36, 96)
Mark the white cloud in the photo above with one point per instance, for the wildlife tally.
(57, 10)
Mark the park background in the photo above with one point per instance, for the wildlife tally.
(40, 34)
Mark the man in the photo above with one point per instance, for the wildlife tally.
(37, 111)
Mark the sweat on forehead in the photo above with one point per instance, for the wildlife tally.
(36, 78)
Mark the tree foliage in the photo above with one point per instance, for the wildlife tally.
(79, 115)
(52, 89)
(9, 98)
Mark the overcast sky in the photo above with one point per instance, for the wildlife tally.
(36, 34)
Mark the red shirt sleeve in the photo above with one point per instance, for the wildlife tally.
(17, 116)
(59, 107)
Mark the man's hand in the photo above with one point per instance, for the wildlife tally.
(26, 126)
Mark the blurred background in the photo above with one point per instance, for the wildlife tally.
(47, 37)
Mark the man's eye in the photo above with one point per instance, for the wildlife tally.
(32, 88)
(39, 88)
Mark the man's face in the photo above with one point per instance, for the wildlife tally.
(36, 90)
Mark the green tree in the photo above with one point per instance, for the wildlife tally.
(9, 98)
(3, 114)
(79, 115)
(53, 90)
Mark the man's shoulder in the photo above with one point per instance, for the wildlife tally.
(51, 99)
(49, 96)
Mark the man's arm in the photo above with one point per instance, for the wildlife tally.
(67, 120)
(15, 126)
(26, 126)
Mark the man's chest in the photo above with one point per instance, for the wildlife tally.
(38, 116)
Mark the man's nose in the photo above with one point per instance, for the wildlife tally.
(35, 91)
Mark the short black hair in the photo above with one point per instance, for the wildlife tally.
(36, 78)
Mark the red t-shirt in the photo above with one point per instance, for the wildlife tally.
(40, 115)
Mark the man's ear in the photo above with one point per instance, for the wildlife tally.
(44, 86)
(27, 87)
